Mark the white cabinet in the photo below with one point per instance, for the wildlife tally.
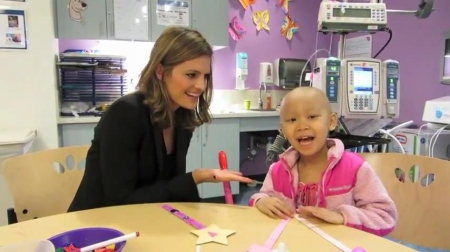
(76, 134)
(220, 135)
(207, 141)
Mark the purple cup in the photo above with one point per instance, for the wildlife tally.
(87, 236)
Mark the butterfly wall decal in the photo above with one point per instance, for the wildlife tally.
(261, 20)
(289, 27)
(284, 5)
(235, 29)
(246, 3)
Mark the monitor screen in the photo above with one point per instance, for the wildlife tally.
(391, 71)
(355, 13)
(363, 80)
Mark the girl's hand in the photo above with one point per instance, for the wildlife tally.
(274, 208)
(218, 175)
(323, 214)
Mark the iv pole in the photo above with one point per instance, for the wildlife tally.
(424, 11)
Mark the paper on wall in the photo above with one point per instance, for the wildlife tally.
(131, 19)
(169, 12)
(358, 47)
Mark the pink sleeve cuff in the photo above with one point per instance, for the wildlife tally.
(256, 197)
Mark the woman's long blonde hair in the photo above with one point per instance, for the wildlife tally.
(175, 46)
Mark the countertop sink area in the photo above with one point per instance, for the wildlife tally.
(239, 113)
(263, 110)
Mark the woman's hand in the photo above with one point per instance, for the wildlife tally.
(323, 214)
(218, 175)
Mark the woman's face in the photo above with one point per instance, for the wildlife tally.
(187, 82)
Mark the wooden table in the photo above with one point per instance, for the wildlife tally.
(162, 231)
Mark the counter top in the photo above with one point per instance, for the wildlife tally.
(231, 114)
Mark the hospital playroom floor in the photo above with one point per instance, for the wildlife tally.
(247, 192)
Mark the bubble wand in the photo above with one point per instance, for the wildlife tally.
(226, 185)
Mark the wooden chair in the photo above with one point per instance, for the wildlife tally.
(420, 188)
(43, 183)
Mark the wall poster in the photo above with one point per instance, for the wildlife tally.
(12, 29)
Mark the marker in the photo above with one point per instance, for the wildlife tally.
(226, 185)
(184, 217)
(110, 242)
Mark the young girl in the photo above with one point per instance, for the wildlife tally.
(316, 177)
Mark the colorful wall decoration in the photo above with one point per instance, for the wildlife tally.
(261, 20)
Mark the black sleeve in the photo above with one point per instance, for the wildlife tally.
(120, 134)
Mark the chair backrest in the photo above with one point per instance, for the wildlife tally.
(420, 188)
(44, 183)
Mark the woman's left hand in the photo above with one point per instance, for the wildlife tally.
(322, 213)
(218, 175)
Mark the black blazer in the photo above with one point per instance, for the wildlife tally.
(125, 160)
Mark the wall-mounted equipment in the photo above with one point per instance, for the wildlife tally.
(288, 70)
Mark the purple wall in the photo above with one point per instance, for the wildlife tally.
(418, 45)
(265, 46)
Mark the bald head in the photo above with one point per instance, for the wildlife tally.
(305, 98)
(306, 112)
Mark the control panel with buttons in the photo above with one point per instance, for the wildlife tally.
(327, 78)
(391, 86)
(362, 89)
(332, 71)
(345, 16)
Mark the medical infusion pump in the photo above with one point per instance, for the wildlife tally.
(351, 17)
(360, 87)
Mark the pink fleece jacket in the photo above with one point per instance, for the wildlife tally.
(349, 185)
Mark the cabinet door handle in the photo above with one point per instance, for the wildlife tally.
(206, 133)
(111, 31)
(198, 135)
(101, 28)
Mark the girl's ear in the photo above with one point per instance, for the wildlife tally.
(333, 122)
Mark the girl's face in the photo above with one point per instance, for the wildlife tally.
(187, 81)
(306, 124)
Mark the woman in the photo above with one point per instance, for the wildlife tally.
(138, 154)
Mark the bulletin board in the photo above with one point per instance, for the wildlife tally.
(13, 29)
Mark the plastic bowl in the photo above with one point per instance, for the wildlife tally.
(29, 246)
(87, 236)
